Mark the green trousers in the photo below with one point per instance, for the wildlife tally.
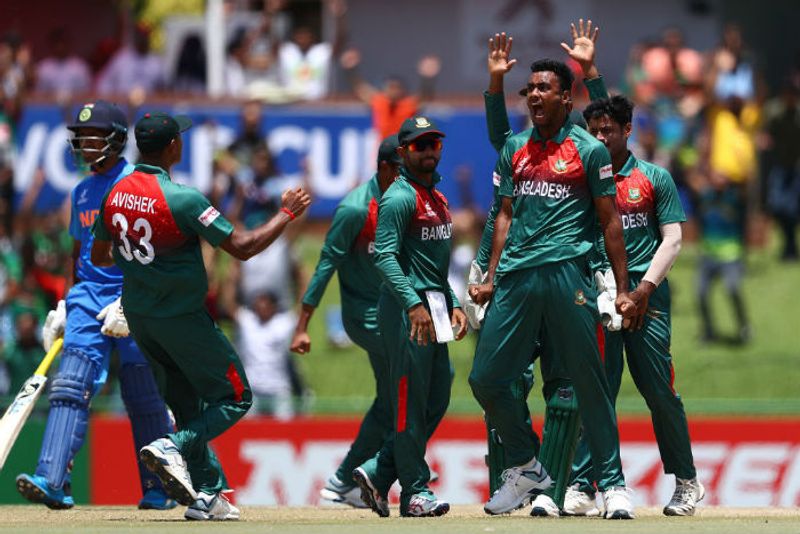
(377, 423)
(561, 298)
(202, 381)
(650, 364)
(421, 378)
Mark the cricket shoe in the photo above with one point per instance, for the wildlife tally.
(520, 485)
(618, 503)
(211, 507)
(688, 492)
(337, 491)
(156, 499)
(544, 506)
(36, 489)
(580, 503)
(369, 494)
(164, 459)
(425, 506)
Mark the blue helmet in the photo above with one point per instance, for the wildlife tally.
(103, 116)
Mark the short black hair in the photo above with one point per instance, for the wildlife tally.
(618, 108)
(560, 69)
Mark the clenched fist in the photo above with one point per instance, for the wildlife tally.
(295, 200)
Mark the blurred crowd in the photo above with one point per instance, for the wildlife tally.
(731, 142)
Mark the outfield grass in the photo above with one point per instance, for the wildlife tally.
(760, 377)
(461, 520)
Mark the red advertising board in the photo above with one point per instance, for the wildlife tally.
(742, 461)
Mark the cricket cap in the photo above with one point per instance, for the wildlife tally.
(156, 130)
(417, 127)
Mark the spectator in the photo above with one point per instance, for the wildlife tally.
(190, 73)
(133, 68)
(12, 80)
(392, 104)
(720, 209)
(235, 64)
(264, 336)
(305, 63)
(23, 354)
(672, 66)
(62, 73)
(783, 181)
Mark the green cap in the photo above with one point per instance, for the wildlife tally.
(417, 127)
(388, 150)
(156, 130)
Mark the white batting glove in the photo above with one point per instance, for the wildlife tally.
(606, 297)
(54, 325)
(473, 311)
(114, 322)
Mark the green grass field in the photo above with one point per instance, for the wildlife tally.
(760, 377)
(461, 520)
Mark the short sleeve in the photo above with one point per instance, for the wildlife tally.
(668, 203)
(599, 176)
(195, 215)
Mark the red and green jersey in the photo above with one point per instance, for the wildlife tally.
(413, 239)
(349, 249)
(553, 183)
(646, 199)
(155, 226)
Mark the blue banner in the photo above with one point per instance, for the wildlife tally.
(337, 143)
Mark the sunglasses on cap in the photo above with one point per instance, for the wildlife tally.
(421, 145)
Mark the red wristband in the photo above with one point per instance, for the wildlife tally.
(289, 212)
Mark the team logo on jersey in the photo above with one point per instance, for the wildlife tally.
(208, 216)
(580, 298)
(86, 113)
(428, 210)
(606, 172)
(422, 122)
(560, 166)
(634, 195)
(83, 197)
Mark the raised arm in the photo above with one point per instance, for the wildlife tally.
(499, 63)
(350, 60)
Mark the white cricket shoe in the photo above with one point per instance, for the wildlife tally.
(687, 494)
(520, 485)
(618, 503)
(580, 503)
(544, 506)
(212, 507)
(337, 491)
(163, 458)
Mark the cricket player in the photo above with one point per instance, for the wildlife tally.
(93, 325)
(349, 248)
(651, 212)
(153, 226)
(417, 314)
(555, 182)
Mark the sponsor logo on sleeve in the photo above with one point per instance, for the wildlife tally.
(208, 216)
(606, 172)
(496, 179)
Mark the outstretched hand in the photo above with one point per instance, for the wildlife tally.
(584, 38)
(499, 61)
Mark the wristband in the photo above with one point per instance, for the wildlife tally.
(289, 212)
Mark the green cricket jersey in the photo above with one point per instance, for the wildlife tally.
(155, 225)
(499, 132)
(413, 240)
(646, 199)
(349, 248)
(553, 183)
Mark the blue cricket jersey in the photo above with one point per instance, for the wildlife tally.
(85, 202)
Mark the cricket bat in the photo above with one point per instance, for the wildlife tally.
(19, 411)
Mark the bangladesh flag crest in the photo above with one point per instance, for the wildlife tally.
(634, 195)
(560, 166)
